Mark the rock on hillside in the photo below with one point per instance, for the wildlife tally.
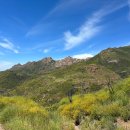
(46, 64)
(116, 59)
(66, 61)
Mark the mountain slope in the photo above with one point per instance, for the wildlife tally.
(52, 86)
(47, 81)
(116, 59)
(20, 73)
(11, 79)
(32, 68)
(102, 107)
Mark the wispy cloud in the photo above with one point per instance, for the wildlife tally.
(63, 6)
(129, 8)
(49, 45)
(46, 50)
(5, 65)
(126, 44)
(36, 29)
(5, 43)
(66, 6)
(82, 56)
(87, 31)
(18, 23)
(90, 28)
(129, 2)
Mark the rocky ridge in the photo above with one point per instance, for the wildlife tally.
(49, 61)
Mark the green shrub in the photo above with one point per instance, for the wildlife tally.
(19, 113)
(100, 104)
(125, 114)
(106, 123)
(8, 113)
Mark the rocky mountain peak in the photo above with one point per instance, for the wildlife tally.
(68, 57)
(47, 63)
(47, 60)
(66, 61)
(17, 66)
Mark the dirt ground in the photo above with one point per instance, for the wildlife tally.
(122, 124)
(1, 127)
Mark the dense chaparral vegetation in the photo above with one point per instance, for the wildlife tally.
(94, 93)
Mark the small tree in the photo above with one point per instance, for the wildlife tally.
(109, 83)
(83, 84)
(84, 87)
(70, 93)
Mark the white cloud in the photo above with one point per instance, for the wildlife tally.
(90, 28)
(86, 32)
(46, 50)
(5, 65)
(82, 56)
(126, 44)
(5, 43)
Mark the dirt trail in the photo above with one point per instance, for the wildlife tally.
(1, 128)
(76, 128)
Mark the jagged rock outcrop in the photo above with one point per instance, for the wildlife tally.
(116, 59)
(47, 64)
(66, 61)
(47, 60)
(17, 66)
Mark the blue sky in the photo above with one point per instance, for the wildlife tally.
(33, 29)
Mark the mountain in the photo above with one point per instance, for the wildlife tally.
(35, 67)
(47, 81)
(69, 61)
(116, 59)
(18, 74)
(44, 65)
(49, 88)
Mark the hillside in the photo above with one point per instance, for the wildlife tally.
(47, 81)
(96, 110)
(11, 79)
(64, 65)
(100, 97)
(51, 87)
(20, 73)
(116, 59)
(18, 113)
(101, 110)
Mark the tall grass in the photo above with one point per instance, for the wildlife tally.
(17, 113)
(96, 111)
(100, 107)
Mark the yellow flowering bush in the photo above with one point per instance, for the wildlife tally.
(101, 103)
(23, 105)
